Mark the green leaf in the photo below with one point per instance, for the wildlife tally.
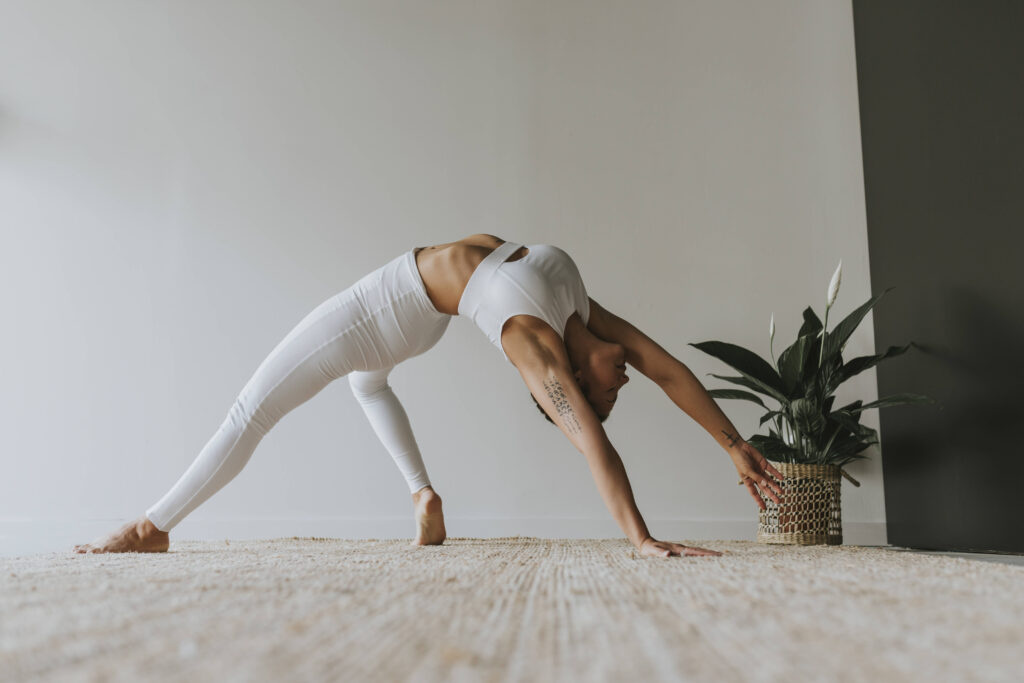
(837, 338)
(851, 421)
(748, 363)
(853, 407)
(808, 417)
(896, 400)
(862, 363)
(736, 393)
(769, 415)
(773, 448)
(825, 449)
(744, 382)
(812, 324)
(830, 370)
(791, 364)
(809, 373)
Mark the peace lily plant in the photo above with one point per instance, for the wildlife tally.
(802, 381)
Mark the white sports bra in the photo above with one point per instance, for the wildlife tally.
(545, 283)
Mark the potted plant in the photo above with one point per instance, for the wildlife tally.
(810, 441)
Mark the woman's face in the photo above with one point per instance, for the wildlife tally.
(602, 376)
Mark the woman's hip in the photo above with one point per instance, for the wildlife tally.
(379, 321)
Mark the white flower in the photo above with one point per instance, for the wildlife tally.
(833, 287)
(771, 328)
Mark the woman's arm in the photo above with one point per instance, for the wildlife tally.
(541, 359)
(687, 392)
(669, 373)
(539, 355)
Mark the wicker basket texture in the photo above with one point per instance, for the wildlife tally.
(809, 513)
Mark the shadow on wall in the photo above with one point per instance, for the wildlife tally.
(984, 402)
(978, 410)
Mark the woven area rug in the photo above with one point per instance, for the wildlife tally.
(509, 609)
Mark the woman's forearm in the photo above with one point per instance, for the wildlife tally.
(689, 394)
(612, 483)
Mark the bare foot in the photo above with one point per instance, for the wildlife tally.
(138, 536)
(429, 518)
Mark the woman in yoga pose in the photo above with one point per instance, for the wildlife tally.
(531, 303)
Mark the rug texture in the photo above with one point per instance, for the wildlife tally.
(508, 609)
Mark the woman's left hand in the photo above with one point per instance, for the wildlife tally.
(754, 469)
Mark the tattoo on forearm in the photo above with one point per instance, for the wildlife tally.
(557, 395)
(733, 438)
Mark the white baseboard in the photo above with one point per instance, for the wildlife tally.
(28, 536)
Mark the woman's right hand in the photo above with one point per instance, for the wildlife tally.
(653, 548)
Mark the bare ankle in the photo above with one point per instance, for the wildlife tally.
(425, 492)
(146, 529)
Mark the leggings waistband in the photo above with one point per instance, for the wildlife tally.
(421, 288)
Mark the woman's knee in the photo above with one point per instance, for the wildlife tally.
(366, 384)
(244, 415)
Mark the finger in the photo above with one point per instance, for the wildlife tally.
(757, 498)
(765, 484)
(775, 472)
(768, 477)
(765, 479)
(693, 550)
(766, 489)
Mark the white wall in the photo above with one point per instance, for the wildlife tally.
(180, 183)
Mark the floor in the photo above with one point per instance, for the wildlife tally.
(982, 557)
(509, 609)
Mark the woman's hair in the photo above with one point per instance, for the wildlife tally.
(601, 418)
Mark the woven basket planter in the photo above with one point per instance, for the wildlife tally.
(809, 513)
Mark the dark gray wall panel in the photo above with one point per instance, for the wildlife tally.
(941, 88)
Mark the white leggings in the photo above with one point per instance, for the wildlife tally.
(363, 332)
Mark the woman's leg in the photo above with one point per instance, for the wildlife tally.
(307, 360)
(391, 423)
(382, 319)
(324, 346)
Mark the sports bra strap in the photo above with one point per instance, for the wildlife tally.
(476, 287)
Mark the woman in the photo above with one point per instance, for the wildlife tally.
(531, 303)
